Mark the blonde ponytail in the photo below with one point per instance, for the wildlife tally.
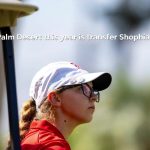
(47, 111)
(27, 115)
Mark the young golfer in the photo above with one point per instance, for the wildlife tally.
(63, 96)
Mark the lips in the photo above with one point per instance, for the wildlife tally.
(92, 107)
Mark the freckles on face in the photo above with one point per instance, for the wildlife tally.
(77, 106)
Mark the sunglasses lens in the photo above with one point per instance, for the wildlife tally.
(86, 90)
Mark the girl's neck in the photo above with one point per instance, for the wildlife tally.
(65, 125)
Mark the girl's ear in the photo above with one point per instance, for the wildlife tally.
(54, 99)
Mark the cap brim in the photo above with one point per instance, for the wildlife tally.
(24, 9)
(100, 80)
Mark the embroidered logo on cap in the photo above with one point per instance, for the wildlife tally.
(77, 66)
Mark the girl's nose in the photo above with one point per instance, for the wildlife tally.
(93, 97)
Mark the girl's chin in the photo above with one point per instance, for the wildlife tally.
(88, 120)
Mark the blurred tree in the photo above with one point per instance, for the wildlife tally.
(124, 97)
(126, 18)
(130, 15)
(122, 121)
(143, 135)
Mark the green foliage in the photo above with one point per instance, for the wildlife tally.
(2, 142)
